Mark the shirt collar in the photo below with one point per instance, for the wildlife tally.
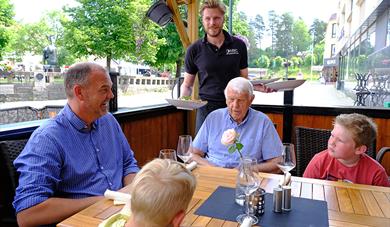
(228, 38)
(76, 122)
(247, 116)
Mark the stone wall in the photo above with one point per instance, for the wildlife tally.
(26, 113)
(31, 92)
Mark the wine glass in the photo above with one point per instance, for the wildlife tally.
(249, 183)
(287, 161)
(168, 154)
(184, 148)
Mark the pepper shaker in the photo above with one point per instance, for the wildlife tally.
(277, 200)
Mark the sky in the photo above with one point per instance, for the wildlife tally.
(29, 11)
(308, 10)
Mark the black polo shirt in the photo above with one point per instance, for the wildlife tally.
(216, 67)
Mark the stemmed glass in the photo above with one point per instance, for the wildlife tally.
(168, 154)
(250, 183)
(184, 148)
(287, 162)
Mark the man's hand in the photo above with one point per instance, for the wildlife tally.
(197, 157)
(263, 88)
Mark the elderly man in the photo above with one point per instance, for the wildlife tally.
(257, 132)
(73, 158)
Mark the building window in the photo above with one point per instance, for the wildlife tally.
(334, 27)
(332, 49)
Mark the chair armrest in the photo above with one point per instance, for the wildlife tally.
(381, 153)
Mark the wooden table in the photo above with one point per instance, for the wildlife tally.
(348, 204)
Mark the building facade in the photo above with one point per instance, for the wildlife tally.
(362, 46)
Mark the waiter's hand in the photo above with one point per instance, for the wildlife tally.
(263, 88)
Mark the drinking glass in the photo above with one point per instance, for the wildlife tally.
(249, 183)
(184, 148)
(287, 162)
(168, 154)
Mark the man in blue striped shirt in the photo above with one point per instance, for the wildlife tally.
(256, 130)
(73, 158)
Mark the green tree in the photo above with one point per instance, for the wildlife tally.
(283, 45)
(318, 28)
(253, 52)
(319, 52)
(258, 27)
(273, 21)
(6, 15)
(112, 29)
(28, 38)
(264, 61)
(172, 51)
(277, 62)
(300, 37)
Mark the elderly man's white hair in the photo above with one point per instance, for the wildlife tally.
(240, 85)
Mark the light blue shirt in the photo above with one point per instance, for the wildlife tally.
(64, 159)
(257, 134)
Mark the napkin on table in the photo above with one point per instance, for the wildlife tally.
(118, 197)
(191, 166)
(246, 223)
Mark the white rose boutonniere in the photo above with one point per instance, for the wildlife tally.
(230, 139)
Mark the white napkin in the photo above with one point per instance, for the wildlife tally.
(118, 197)
(191, 165)
(283, 181)
(246, 223)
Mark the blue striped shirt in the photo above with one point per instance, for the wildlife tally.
(64, 159)
(257, 134)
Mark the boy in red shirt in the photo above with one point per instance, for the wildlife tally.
(345, 158)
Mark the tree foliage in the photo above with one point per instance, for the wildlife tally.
(112, 29)
(318, 28)
(300, 37)
(284, 35)
(6, 15)
(258, 27)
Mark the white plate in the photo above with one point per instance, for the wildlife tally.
(286, 85)
(255, 82)
(186, 104)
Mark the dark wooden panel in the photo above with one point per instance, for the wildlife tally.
(278, 120)
(149, 135)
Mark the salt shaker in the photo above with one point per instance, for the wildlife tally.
(286, 201)
(277, 199)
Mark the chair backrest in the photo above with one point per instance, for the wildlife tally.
(381, 154)
(309, 141)
(9, 150)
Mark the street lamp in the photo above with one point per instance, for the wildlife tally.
(286, 64)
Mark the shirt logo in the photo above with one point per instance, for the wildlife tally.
(231, 51)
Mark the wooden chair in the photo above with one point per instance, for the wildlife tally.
(9, 150)
(310, 141)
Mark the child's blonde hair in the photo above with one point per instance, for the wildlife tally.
(362, 128)
(159, 191)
